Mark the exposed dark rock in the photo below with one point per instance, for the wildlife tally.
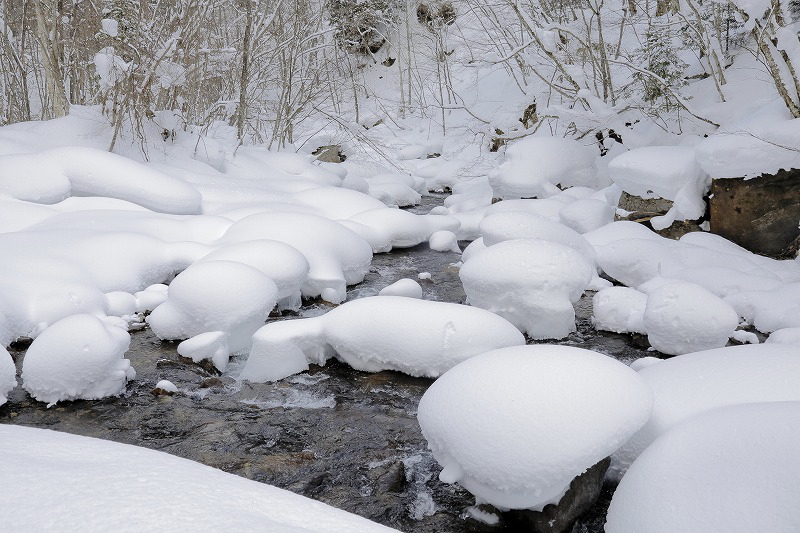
(642, 210)
(761, 214)
(559, 518)
(329, 154)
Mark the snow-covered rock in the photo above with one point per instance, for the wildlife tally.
(78, 357)
(535, 165)
(225, 296)
(87, 484)
(769, 310)
(211, 345)
(619, 309)
(8, 374)
(166, 386)
(684, 317)
(444, 241)
(537, 294)
(417, 337)
(403, 287)
(785, 336)
(514, 426)
(655, 171)
(587, 214)
(693, 383)
(730, 469)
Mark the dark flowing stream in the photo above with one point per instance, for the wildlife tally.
(337, 435)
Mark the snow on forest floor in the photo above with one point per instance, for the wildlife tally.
(96, 245)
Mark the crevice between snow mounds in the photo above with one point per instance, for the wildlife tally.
(417, 337)
(51, 176)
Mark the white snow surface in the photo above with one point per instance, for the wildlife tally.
(87, 484)
(78, 357)
(407, 287)
(209, 296)
(785, 336)
(655, 171)
(684, 317)
(417, 337)
(8, 374)
(535, 165)
(514, 426)
(537, 295)
(730, 469)
(697, 382)
(619, 309)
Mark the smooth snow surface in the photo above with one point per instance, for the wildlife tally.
(417, 337)
(731, 469)
(655, 171)
(619, 309)
(514, 426)
(403, 287)
(684, 317)
(785, 336)
(537, 295)
(8, 374)
(534, 166)
(167, 386)
(225, 296)
(701, 381)
(78, 357)
(90, 485)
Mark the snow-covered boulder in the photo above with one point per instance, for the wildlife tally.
(386, 228)
(78, 357)
(407, 287)
(417, 337)
(769, 310)
(537, 294)
(785, 336)
(587, 214)
(693, 383)
(535, 165)
(337, 256)
(86, 484)
(444, 241)
(732, 469)
(619, 309)
(8, 374)
(225, 296)
(514, 426)
(684, 317)
(655, 171)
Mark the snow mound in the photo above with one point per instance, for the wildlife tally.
(769, 310)
(693, 383)
(93, 485)
(505, 226)
(444, 241)
(8, 374)
(282, 263)
(211, 345)
(619, 309)
(587, 214)
(216, 296)
(732, 469)
(166, 386)
(404, 287)
(417, 337)
(388, 228)
(683, 317)
(52, 175)
(337, 256)
(79, 357)
(537, 294)
(655, 171)
(535, 165)
(785, 336)
(514, 426)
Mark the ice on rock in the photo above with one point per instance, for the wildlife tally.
(280, 262)
(78, 357)
(619, 309)
(417, 337)
(535, 165)
(731, 469)
(8, 374)
(505, 226)
(537, 294)
(697, 382)
(444, 241)
(683, 317)
(514, 426)
(215, 296)
(336, 255)
(211, 345)
(404, 287)
(93, 485)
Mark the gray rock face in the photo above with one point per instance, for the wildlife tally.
(559, 518)
(761, 214)
(643, 209)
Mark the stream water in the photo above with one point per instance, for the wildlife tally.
(334, 434)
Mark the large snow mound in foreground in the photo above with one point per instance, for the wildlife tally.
(701, 381)
(418, 337)
(91, 485)
(514, 426)
(733, 469)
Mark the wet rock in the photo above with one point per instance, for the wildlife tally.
(559, 518)
(211, 382)
(760, 214)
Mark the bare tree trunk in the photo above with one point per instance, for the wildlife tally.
(242, 112)
(47, 37)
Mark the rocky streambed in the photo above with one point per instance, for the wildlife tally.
(341, 436)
